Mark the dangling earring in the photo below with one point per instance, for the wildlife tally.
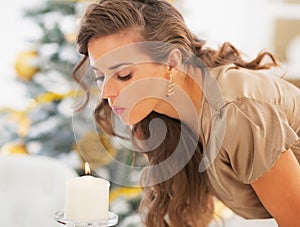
(171, 84)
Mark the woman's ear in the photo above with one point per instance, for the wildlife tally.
(175, 58)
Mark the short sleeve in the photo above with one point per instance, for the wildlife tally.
(256, 135)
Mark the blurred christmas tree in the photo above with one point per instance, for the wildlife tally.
(44, 125)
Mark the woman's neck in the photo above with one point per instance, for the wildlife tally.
(185, 104)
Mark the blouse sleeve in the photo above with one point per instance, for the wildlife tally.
(256, 135)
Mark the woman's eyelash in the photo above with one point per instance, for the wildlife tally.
(100, 79)
(124, 78)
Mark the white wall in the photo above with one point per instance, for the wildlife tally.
(245, 23)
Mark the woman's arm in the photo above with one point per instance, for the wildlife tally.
(279, 190)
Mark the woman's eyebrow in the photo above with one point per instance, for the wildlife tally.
(113, 67)
(119, 65)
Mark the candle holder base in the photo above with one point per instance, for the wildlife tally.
(61, 219)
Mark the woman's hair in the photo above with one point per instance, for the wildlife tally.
(158, 20)
(184, 199)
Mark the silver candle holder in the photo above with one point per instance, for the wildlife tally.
(110, 221)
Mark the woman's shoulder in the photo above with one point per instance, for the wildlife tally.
(236, 83)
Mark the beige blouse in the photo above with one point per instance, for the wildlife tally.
(247, 120)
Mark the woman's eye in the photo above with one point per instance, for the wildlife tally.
(125, 77)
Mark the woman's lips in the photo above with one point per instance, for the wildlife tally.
(118, 110)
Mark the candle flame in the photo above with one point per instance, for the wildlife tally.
(87, 168)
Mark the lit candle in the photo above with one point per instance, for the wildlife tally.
(87, 198)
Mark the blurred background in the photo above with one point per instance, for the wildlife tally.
(38, 53)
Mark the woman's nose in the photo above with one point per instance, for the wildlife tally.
(109, 89)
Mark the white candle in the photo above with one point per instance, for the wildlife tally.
(87, 198)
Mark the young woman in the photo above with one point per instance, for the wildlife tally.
(229, 131)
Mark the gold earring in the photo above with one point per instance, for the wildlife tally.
(171, 84)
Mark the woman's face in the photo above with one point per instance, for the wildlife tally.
(132, 83)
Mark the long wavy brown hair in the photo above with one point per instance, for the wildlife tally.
(184, 199)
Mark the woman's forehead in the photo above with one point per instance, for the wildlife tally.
(101, 46)
(130, 54)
